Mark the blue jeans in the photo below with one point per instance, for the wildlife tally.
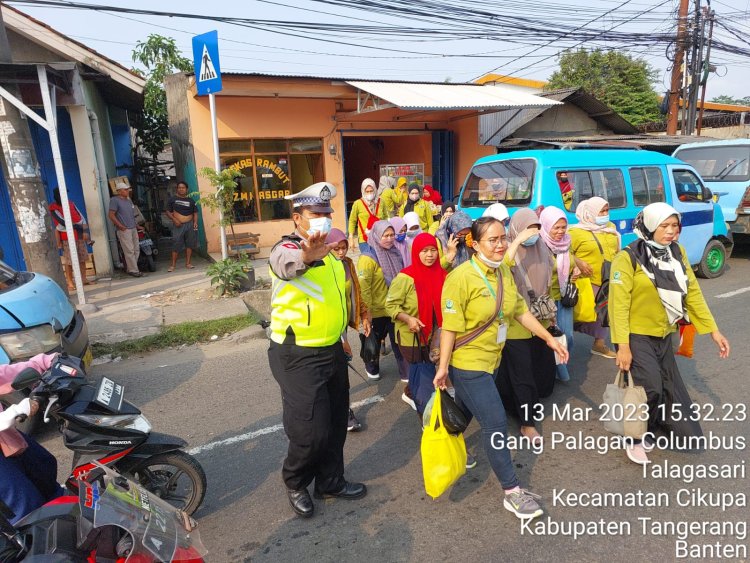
(565, 323)
(476, 395)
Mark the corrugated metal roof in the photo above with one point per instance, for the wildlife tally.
(446, 96)
(621, 140)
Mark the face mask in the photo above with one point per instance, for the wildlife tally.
(530, 241)
(401, 237)
(414, 197)
(320, 225)
(490, 263)
(602, 219)
(412, 234)
(370, 197)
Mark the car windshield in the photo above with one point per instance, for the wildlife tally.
(719, 164)
(8, 277)
(507, 182)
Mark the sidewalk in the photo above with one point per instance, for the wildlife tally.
(130, 307)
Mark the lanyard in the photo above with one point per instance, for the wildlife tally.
(487, 283)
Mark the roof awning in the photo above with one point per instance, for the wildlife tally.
(375, 96)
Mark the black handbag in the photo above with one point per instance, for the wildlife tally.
(370, 347)
(454, 419)
(569, 297)
(602, 296)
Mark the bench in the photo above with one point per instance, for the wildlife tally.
(242, 243)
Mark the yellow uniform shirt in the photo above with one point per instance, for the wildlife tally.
(390, 200)
(585, 248)
(358, 219)
(635, 307)
(434, 227)
(372, 285)
(467, 304)
(423, 211)
(402, 298)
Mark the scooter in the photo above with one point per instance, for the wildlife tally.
(148, 251)
(111, 520)
(100, 426)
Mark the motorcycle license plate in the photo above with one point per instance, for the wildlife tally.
(110, 394)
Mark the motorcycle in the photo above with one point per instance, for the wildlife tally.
(100, 426)
(148, 251)
(111, 520)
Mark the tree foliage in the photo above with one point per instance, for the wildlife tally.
(623, 83)
(161, 57)
(724, 99)
(225, 183)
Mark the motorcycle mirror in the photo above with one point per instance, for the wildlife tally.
(25, 379)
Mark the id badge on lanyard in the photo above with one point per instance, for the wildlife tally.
(502, 332)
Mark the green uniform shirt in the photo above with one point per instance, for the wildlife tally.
(402, 298)
(423, 211)
(372, 285)
(390, 200)
(359, 218)
(585, 248)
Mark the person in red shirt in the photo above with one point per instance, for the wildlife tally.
(80, 232)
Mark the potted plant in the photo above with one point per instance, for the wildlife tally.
(232, 275)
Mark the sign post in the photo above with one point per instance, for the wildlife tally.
(208, 81)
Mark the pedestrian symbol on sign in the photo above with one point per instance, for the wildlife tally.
(208, 72)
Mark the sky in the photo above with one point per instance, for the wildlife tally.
(414, 48)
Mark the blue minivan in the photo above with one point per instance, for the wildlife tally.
(628, 179)
(37, 317)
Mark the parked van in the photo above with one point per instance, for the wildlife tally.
(628, 179)
(37, 317)
(725, 169)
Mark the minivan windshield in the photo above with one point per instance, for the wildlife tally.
(507, 181)
(9, 277)
(719, 164)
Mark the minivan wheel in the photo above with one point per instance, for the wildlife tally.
(714, 260)
(31, 424)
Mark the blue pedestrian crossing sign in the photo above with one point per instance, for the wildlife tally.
(206, 63)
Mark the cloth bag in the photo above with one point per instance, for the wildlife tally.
(443, 454)
(584, 310)
(627, 408)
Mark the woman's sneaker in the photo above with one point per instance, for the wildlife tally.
(471, 461)
(523, 504)
(637, 454)
(372, 376)
(353, 425)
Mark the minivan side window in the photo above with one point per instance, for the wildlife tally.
(608, 184)
(507, 181)
(648, 185)
(688, 186)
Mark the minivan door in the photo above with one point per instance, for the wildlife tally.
(697, 210)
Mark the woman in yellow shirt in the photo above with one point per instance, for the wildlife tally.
(446, 210)
(419, 206)
(413, 303)
(594, 239)
(392, 198)
(652, 287)
(376, 268)
(471, 341)
(364, 213)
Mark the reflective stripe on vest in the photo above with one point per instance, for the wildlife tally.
(313, 305)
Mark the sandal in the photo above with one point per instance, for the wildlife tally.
(189, 266)
(170, 269)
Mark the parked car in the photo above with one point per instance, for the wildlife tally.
(725, 169)
(629, 179)
(37, 317)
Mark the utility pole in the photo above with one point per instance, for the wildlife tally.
(679, 57)
(696, 59)
(19, 165)
(707, 64)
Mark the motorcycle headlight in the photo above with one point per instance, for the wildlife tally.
(24, 344)
(136, 422)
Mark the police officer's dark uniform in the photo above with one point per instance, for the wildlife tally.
(308, 316)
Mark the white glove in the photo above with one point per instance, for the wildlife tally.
(8, 416)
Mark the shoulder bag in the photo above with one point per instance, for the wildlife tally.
(602, 296)
(569, 297)
(543, 307)
(627, 407)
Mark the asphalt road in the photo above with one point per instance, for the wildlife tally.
(223, 400)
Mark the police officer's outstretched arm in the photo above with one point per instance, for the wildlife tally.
(315, 248)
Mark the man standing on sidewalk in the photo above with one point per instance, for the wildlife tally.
(122, 214)
(181, 210)
(308, 316)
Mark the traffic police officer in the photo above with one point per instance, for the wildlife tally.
(308, 317)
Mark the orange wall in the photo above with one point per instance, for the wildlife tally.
(467, 148)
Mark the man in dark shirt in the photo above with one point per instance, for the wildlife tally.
(182, 211)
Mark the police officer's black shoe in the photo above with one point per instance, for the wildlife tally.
(349, 491)
(301, 502)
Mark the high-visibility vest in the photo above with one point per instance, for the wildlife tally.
(311, 306)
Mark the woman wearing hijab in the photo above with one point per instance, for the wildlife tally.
(472, 342)
(499, 212)
(652, 287)
(416, 204)
(413, 227)
(392, 199)
(364, 213)
(554, 233)
(433, 199)
(359, 316)
(527, 370)
(452, 235)
(400, 228)
(413, 303)
(593, 240)
(446, 210)
(376, 268)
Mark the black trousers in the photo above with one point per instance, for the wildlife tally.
(314, 386)
(526, 373)
(382, 327)
(654, 367)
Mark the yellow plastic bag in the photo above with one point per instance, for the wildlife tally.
(585, 309)
(443, 454)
